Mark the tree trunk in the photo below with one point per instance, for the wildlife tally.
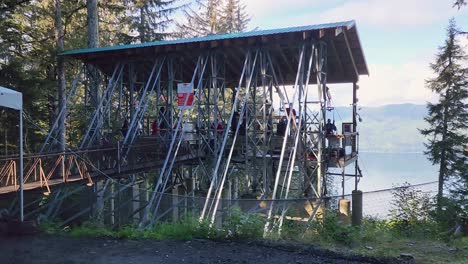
(93, 42)
(443, 159)
(93, 24)
(60, 75)
(142, 25)
(442, 169)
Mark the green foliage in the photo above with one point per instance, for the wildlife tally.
(292, 230)
(150, 18)
(48, 228)
(448, 118)
(28, 56)
(330, 230)
(90, 230)
(411, 210)
(447, 215)
(184, 229)
(375, 237)
(214, 17)
(240, 225)
(373, 230)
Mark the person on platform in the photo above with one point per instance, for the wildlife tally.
(235, 122)
(154, 128)
(124, 129)
(220, 128)
(281, 127)
(330, 128)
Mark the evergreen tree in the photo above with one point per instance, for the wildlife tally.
(204, 21)
(151, 18)
(459, 3)
(448, 118)
(214, 17)
(234, 17)
(60, 75)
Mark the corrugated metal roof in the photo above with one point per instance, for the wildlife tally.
(347, 24)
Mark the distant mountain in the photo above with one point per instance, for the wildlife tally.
(388, 128)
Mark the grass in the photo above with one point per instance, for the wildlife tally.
(380, 239)
(374, 238)
(237, 226)
(423, 250)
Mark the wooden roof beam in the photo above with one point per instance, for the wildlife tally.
(337, 57)
(350, 52)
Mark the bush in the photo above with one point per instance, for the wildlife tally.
(448, 213)
(244, 226)
(90, 230)
(410, 215)
(184, 229)
(330, 229)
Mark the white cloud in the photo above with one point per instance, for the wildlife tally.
(375, 13)
(390, 84)
(396, 13)
(269, 8)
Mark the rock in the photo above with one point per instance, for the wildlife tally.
(406, 256)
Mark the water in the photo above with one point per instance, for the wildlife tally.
(384, 170)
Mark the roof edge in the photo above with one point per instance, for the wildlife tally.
(348, 24)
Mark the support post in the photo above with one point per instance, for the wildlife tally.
(21, 167)
(357, 208)
(355, 150)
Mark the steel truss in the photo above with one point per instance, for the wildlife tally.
(233, 149)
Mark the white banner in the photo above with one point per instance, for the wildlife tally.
(185, 95)
(11, 99)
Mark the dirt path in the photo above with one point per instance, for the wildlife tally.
(50, 249)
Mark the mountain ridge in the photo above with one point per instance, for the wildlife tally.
(388, 128)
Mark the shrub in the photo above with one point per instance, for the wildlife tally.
(90, 230)
(410, 214)
(329, 229)
(447, 214)
(240, 225)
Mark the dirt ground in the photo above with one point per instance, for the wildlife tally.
(57, 249)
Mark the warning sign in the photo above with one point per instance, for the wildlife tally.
(185, 95)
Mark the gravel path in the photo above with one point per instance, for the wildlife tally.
(56, 249)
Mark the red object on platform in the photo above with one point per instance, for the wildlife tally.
(181, 97)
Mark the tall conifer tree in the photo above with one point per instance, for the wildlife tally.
(448, 118)
(212, 17)
(151, 18)
(234, 17)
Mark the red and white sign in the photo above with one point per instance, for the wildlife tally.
(185, 90)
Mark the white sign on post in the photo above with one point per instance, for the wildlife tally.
(185, 95)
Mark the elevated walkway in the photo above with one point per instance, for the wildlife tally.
(45, 170)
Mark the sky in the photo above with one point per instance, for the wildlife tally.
(399, 38)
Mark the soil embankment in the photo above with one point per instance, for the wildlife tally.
(59, 249)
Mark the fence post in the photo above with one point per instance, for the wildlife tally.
(357, 208)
